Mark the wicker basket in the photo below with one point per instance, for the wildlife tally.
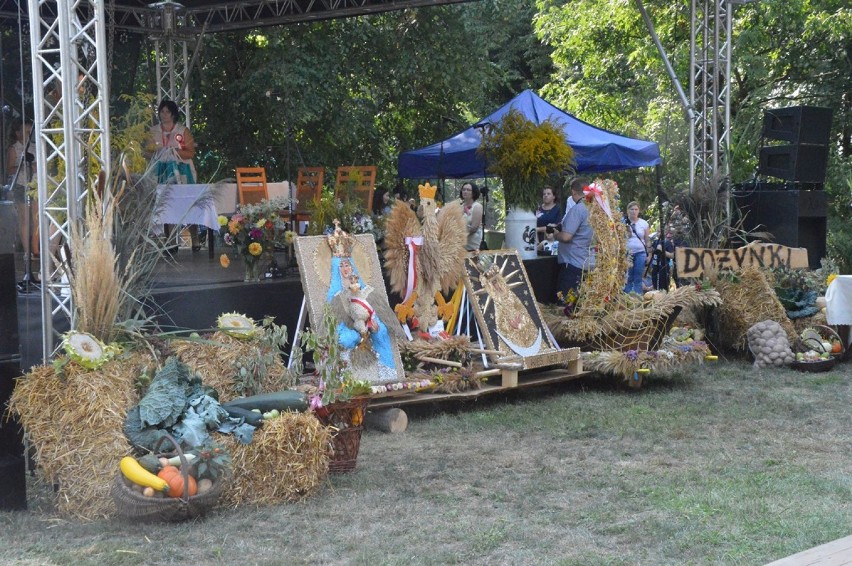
(135, 506)
(827, 333)
(347, 417)
(815, 366)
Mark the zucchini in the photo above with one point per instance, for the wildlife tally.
(287, 400)
(150, 463)
(250, 417)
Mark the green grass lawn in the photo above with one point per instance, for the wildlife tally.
(721, 464)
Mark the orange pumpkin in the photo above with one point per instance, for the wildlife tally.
(174, 478)
(836, 348)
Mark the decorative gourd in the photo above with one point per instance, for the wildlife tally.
(174, 478)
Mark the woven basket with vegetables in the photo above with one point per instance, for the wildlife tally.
(818, 349)
(170, 486)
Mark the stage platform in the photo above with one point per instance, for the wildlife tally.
(192, 290)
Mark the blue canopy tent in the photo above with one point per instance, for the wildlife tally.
(595, 150)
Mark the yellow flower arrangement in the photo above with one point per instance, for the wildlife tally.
(524, 154)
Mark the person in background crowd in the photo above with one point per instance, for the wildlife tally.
(548, 214)
(472, 211)
(662, 256)
(575, 236)
(678, 241)
(638, 244)
(19, 154)
(382, 202)
(172, 148)
(549, 246)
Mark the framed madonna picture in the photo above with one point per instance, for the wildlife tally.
(343, 271)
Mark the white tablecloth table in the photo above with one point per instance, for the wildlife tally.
(838, 307)
(838, 301)
(188, 204)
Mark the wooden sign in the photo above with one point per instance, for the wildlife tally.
(691, 262)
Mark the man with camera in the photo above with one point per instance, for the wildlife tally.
(575, 236)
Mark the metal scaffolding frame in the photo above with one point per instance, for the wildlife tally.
(709, 92)
(71, 117)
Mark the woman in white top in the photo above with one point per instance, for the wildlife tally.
(638, 243)
(472, 215)
(172, 148)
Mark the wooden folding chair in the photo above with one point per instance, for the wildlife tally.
(357, 182)
(308, 189)
(251, 184)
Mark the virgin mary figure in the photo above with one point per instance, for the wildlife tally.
(365, 327)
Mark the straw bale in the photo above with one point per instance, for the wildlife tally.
(286, 461)
(74, 421)
(747, 299)
(806, 322)
(219, 359)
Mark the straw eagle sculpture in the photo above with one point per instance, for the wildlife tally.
(423, 258)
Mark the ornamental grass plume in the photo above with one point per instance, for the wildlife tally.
(95, 281)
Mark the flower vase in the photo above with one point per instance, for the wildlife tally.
(520, 232)
(253, 271)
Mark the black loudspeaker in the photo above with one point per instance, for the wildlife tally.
(806, 129)
(13, 494)
(795, 218)
(799, 163)
(798, 125)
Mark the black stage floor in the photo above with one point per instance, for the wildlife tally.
(193, 290)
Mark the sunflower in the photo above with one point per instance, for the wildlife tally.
(255, 249)
(236, 325)
(85, 349)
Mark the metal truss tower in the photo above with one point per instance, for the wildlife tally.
(71, 116)
(171, 55)
(709, 92)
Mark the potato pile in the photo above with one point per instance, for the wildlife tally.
(768, 341)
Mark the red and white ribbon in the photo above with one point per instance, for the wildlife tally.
(371, 320)
(413, 242)
(595, 192)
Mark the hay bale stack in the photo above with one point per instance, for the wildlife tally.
(747, 299)
(287, 461)
(75, 423)
(220, 361)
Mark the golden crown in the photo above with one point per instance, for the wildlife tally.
(340, 242)
(427, 191)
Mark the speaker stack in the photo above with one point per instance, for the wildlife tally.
(802, 157)
(795, 151)
(13, 493)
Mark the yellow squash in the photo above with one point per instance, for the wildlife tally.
(134, 471)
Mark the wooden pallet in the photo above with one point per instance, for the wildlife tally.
(835, 553)
(524, 380)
